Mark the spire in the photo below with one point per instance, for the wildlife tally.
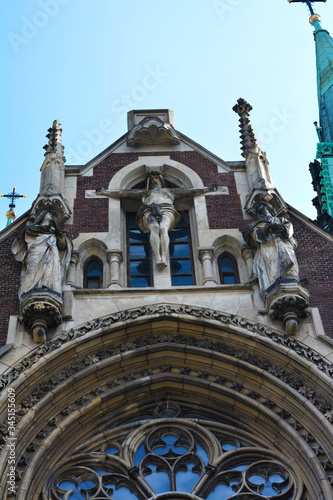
(256, 162)
(53, 166)
(248, 138)
(322, 172)
(54, 136)
(324, 63)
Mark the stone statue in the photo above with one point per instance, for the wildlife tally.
(157, 214)
(38, 248)
(272, 237)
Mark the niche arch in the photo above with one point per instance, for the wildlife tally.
(175, 173)
(227, 244)
(90, 249)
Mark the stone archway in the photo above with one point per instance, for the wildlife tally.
(114, 369)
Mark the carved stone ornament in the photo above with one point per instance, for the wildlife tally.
(289, 308)
(153, 131)
(164, 310)
(275, 264)
(52, 202)
(45, 253)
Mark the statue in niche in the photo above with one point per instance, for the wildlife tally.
(157, 214)
(272, 237)
(45, 252)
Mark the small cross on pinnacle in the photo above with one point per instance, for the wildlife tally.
(242, 108)
(308, 3)
(12, 197)
(248, 138)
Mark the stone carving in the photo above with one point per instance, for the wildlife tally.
(174, 411)
(157, 214)
(275, 266)
(272, 237)
(163, 310)
(45, 253)
(38, 248)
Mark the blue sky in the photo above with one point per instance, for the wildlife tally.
(87, 62)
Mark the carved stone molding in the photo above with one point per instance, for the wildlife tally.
(41, 311)
(164, 310)
(152, 131)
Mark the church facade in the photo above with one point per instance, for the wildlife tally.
(166, 328)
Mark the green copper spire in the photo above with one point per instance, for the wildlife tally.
(322, 171)
(324, 62)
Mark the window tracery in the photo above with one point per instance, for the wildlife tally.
(175, 458)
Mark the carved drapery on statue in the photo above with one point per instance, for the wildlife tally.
(275, 267)
(45, 252)
(275, 258)
(157, 214)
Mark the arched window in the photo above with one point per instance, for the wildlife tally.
(181, 254)
(175, 459)
(139, 259)
(228, 269)
(93, 273)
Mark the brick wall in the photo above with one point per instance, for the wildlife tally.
(91, 214)
(224, 211)
(10, 271)
(315, 259)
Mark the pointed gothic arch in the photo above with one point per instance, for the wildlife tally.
(233, 371)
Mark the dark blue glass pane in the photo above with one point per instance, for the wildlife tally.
(182, 280)
(131, 217)
(221, 492)
(186, 480)
(277, 477)
(139, 455)
(135, 236)
(202, 453)
(229, 280)
(179, 234)
(139, 251)
(243, 466)
(182, 250)
(140, 282)
(139, 267)
(94, 269)
(229, 445)
(227, 265)
(111, 450)
(170, 442)
(181, 266)
(124, 493)
(93, 283)
(159, 481)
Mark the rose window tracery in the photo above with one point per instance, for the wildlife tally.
(174, 459)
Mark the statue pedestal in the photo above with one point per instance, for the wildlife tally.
(40, 311)
(287, 301)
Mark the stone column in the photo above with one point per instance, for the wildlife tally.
(248, 256)
(206, 255)
(115, 258)
(71, 273)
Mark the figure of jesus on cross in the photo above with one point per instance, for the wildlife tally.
(157, 214)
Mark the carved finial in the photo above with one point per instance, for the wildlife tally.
(248, 138)
(55, 139)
